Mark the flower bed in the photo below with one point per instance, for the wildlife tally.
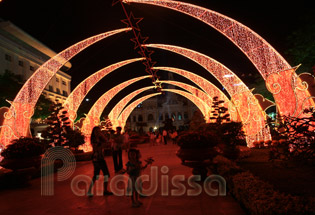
(259, 197)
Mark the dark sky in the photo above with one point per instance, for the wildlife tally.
(61, 23)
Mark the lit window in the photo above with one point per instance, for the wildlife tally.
(179, 116)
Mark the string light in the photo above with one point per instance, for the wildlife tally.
(92, 119)
(17, 119)
(123, 116)
(207, 87)
(117, 109)
(251, 114)
(201, 105)
(76, 97)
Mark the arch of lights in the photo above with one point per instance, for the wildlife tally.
(203, 107)
(123, 116)
(17, 119)
(207, 87)
(93, 117)
(127, 111)
(75, 98)
(117, 109)
(198, 93)
(251, 114)
(281, 79)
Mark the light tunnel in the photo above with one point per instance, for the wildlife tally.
(281, 79)
(76, 97)
(251, 114)
(92, 119)
(17, 119)
(207, 87)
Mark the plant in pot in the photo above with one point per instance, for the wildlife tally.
(197, 149)
(22, 153)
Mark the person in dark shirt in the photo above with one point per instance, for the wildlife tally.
(98, 141)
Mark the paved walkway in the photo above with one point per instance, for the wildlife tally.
(28, 200)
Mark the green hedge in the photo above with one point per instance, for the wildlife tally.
(259, 197)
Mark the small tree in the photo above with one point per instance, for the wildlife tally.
(196, 121)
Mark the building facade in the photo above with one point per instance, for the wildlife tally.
(152, 113)
(21, 54)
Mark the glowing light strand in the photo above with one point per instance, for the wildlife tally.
(123, 116)
(239, 92)
(76, 97)
(207, 87)
(27, 97)
(117, 109)
(93, 117)
(203, 107)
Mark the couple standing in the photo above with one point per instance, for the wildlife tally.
(99, 142)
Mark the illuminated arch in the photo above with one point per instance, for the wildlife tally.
(116, 110)
(18, 118)
(93, 117)
(265, 58)
(251, 114)
(203, 107)
(281, 79)
(75, 98)
(206, 86)
(123, 116)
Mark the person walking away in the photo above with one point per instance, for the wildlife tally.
(98, 142)
(117, 153)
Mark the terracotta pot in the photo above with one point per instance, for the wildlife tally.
(21, 163)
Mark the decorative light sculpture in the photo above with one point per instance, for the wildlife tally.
(123, 116)
(203, 107)
(197, 93)
(206, 86)
(264, 57)
(251, 114)
(92, 119)
(17, 119)
(115, 112)
(76, 97)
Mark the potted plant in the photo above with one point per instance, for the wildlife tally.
(197, 149)
(22, 153)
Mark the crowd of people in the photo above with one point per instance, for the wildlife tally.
(117, 142)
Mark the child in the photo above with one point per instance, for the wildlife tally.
(134, 167)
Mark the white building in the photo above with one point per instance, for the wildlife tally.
(151, 114)
(22, 54)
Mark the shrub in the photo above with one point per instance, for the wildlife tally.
(23, 147)
(197, 139)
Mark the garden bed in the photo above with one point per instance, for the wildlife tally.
(286, 177)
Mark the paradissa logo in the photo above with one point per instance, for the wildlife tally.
(177, 182)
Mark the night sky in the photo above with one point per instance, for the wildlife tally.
(59, 24)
